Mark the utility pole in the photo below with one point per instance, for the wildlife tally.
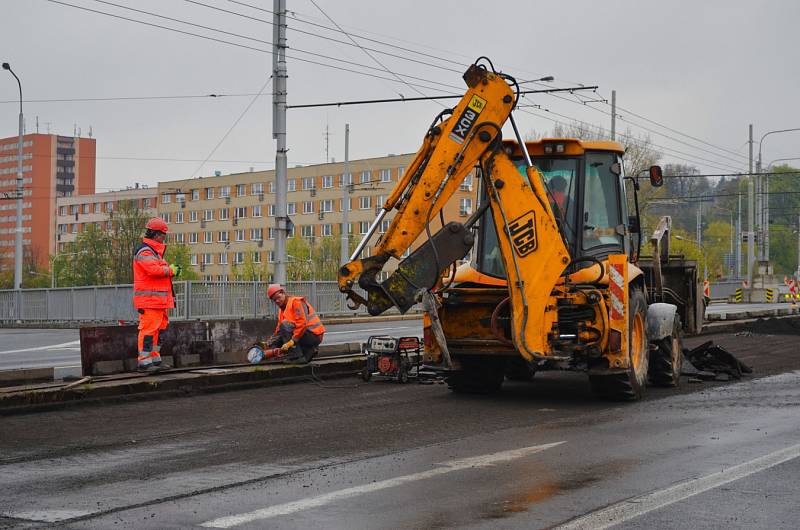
(344, 252)
(19, 197)
(699, 223)
(613, 115)
(739, 240)
(751, 251)
(279, 133)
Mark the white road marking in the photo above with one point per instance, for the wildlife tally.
(637, 506)
(366, 330)
(328, 498)
(64, 345)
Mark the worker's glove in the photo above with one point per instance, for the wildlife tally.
(287, 345)
(176, 270)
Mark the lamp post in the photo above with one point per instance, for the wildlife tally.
(18, 238)
(764, 191)
(733, 237)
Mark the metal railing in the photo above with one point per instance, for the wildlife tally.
(193, 300)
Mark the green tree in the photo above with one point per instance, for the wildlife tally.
(127, 230)
(90, 262)
(178, 254)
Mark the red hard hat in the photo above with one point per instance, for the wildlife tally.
(273, 289)
(157, 224)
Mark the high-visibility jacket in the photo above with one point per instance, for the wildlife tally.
(152, 277)
(300, 313)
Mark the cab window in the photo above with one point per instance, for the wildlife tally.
(601, 207)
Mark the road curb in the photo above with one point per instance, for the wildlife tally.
(184, 383)
(732, 326)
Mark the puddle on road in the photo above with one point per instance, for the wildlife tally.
(550, 486)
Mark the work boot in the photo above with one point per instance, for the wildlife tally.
(294, 356)
(150, 369)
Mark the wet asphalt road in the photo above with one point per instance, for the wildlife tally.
(33, 348)
(383, 455)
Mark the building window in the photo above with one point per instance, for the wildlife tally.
(309, 183)
(241, 190)
(146, 202)
(165, 198)
(193, 216)
(223, 258)
(223, 237)
(240, 212)
(239, 233)
(256, 257)
(292, 183)
(400, 172)
(208, 215)
(364, 202)
(349, 204)
(386, 175)
(379, 201)
(271, 233)
(179, 217)
(307, 231)
(257, 210)
(208, 237)
(365, 177)
(223, 214)
(257, 188)
(85, 208)
(166, 217)
(291, 208)
(327, 181)
(308, 206)
(62, 210)
(271, 186)
(345, 178)
(98, 207)
(179, 238)
(193, 259)
(238, 258)
(271, 256)
(209, 193)
(192, 238)
(327, 230)
(195, 196)
(256, 234)
(326, 206)
(290, 232)
(208, 258)
(465, 207)
(466, 184)
(109, 206)
(270, 210)
(363, 227)
(384, 226)
(224, 192)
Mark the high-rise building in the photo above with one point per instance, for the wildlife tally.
(53, 166)
(229, 220)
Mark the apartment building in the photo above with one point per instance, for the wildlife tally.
(75, 214)
(53, 167)
(223, 219)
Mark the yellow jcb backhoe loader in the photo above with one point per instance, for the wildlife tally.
(554, 281)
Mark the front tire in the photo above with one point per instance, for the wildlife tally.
(666, 358)
(630, 385)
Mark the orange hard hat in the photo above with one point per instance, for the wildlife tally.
(273, 289)
(157, 224)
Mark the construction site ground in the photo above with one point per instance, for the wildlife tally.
(342, 453)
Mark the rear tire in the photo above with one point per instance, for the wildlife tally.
(666, 358)
(630, 385)
(477, 377)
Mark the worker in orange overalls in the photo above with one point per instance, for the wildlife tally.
(152, 292)
(299, 330)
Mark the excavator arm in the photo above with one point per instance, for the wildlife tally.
(531, 245)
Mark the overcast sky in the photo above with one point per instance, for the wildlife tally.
(705, 69)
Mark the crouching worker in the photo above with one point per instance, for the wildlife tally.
(152, 293)
(299, 330)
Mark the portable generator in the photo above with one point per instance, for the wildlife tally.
(396, 358)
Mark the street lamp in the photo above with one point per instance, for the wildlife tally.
(18, 238)
(763, 194)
